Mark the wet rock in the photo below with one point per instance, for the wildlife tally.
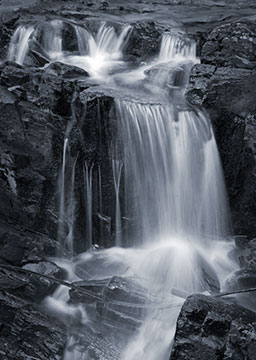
(123, 303)
(144, 41)
(227, 91)
(246, 252)
(196, 91)
(27, 285)
(96, 134)
(87, 292)
(210, 328)
(64, 70)
(28, 333)
(97, 265)
(231, 45)
(241, 279)
(20, 247)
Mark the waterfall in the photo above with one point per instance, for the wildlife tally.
(83, 37)
(172, 163)
(66, 199)
(53, 40)
(19, 44)
(117, 171)
(173, 47)
(171, 178)
(88, 204)
(99, 54)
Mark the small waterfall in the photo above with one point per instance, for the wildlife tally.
(117, 171)
(53, 40)
(173, 47)
(88, 169)
(100, 54)
(66, 199)
(19, 44)
(83, 37)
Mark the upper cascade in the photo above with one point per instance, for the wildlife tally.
(175, 48)
(100, 53)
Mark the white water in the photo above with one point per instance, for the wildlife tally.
(53, 40)
(117, 171)
(174, 187)
(100, 55)
(88, 169)
(179, 174)
(66, 199)
(19, 44)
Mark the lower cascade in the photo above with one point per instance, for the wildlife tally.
(167, 171)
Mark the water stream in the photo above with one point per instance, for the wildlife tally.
(174, 191)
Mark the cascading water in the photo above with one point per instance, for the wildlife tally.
(99, 54)
(66, 199)
(19, 44)
(117, 171)
(88, 206)
(179, 174)
(53, 40)
(174, 191)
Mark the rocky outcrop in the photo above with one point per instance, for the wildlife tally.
(224, 84)
(27, 332)
(144, 41)
(209, 328)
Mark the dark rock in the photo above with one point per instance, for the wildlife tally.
(225, 84)
(123, 303)
(87, 292)
(29, 286)
(144, 41)
(39, 58)
(64, 70)
(196, 91)
(28, 333)
(241, 279)
(231, 45)
(210, 328)
(228, 94)
(246, 252)
(20, 247)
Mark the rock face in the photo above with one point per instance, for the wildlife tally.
(213, 329)
(28, 333)
(224, 84)
(38, 107)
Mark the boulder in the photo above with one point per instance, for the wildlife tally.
(210, 328)
(66, 71)
(29, 286)
(231, 45)
(87, 292)
(123, 303)
(144, 41)
(246, 252)
(27, 332)
(241, 280)
(21, 247)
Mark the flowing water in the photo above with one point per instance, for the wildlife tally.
(174, 192)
